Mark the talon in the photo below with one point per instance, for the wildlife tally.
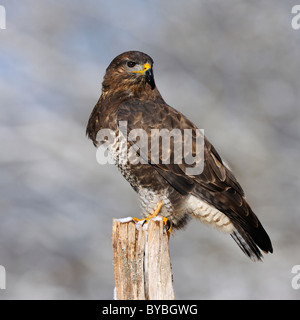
(168, 225)
(145, 221)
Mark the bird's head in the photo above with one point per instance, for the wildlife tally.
(131, 70)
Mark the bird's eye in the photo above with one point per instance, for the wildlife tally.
(131, 64)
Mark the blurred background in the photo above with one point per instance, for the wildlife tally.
(232, 67)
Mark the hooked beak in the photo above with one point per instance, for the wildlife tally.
(148, 73)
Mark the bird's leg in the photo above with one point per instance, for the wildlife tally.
(154, 214)
(151, 215)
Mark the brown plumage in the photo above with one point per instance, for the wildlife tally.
(214, 197)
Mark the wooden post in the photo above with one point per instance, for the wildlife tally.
(142, 266)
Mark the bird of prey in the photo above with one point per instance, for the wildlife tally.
(213, 196)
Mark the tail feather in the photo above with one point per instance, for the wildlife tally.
(247, 244)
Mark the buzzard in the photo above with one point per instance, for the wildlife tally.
(213, 196)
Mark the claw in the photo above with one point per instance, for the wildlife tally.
(145, 221)
(168, 225)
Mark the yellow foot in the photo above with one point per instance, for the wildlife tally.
(166, 222)
(136, 220)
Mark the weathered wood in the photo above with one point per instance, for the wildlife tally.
(128, 249)
(142, 266)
